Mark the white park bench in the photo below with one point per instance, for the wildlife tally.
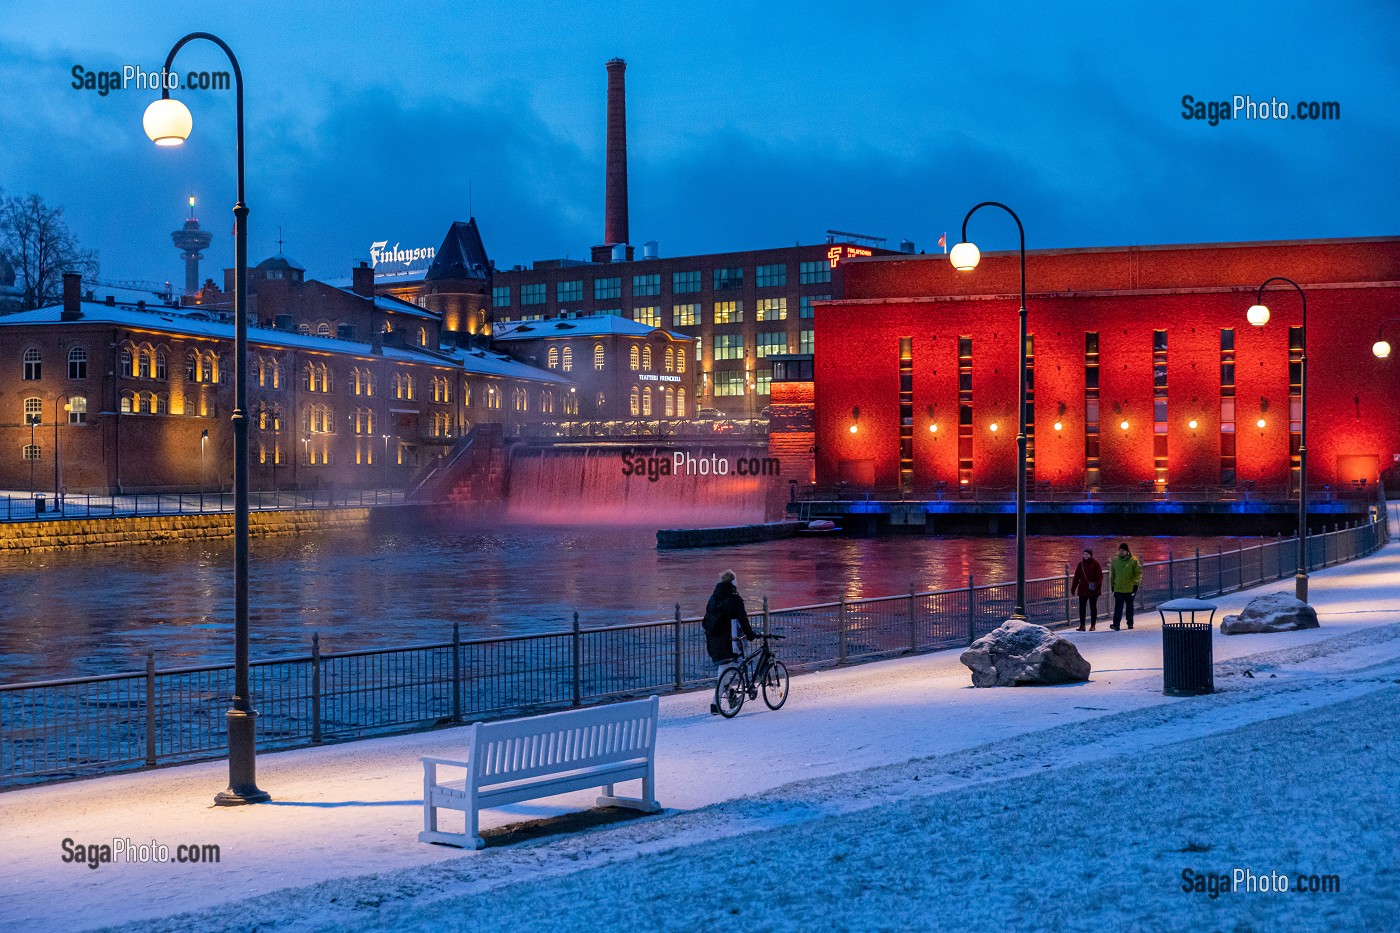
(525, 759)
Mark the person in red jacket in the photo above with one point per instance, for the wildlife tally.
(1088, 584)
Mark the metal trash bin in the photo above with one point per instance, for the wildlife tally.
(1188, 654)
(39, 505)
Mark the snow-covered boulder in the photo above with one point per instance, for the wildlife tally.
(1274, 612)
(1017, 653)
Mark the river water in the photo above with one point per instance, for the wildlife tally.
(98, 611)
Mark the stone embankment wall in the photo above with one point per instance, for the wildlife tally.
(150, 529)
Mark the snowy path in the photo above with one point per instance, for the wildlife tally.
(350, 810)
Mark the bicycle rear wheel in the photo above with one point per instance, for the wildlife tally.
(730, 693)
(775, 685)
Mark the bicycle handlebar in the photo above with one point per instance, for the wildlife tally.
(762, 635)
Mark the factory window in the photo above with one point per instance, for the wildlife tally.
(804, 304)
(688, 315)
(771, 276)
(31, 452)
(77, 363)
(569, 291)
(771, 342)
(772, 309)
(806, 340)
(685, 283)
(810, 273)
(33, 410)
(598, 356)
(33, 364)
(646, 358)
(607, 288)
(670, 360)
(634, 358)
(500, 296)
(1091, 409)
(568, 364)
(680, 359)
(646, 285)
(729, 383)
(729, 312)
(77, 409)
(532, 294)
(553, 358)
(729, 278)
(729, 346)
(126, 368)
(763, 381)
(651, 316)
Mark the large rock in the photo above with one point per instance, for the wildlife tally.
(1018, 653)
(1274, 612)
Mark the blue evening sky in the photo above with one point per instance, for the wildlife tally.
(750, 124)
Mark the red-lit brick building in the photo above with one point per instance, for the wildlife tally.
(1145, 373)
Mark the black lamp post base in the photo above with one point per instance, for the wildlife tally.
(1300, 584)
(242, 762)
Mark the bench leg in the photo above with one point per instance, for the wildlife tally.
(646, 803)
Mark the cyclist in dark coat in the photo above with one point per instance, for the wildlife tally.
(725, 620)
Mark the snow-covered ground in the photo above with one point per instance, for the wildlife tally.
(899, 764)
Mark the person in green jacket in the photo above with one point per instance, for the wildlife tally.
(1124, 578)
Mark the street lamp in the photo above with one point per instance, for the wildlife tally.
(965, 256)
(168, 123)
(33, 445)
(1258, 315)
(386, 461)
(203, 474)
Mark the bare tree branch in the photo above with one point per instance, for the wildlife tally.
(38, 244)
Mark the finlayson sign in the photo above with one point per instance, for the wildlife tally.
(392, 260)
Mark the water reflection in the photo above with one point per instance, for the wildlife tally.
(99, 610)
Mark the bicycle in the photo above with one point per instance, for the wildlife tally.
(760, 669)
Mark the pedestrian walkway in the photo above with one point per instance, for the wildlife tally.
(353, 809)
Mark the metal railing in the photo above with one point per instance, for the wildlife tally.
(89, 725)
(45, 506)
(1046, 492)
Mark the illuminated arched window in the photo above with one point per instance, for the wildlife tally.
(670, 405)
(206, 368)
(323, 329)
(568, 359)
(680, 400)
(646, 358)
(553, 357)
(680, 361)
(646, 402)
(143, 364)
(422, 336)
(308, 378)
(636, 405)
(634, 358)
(276, 379)
(126, 403)
(670, 360)
(408, 387)
(597, 356)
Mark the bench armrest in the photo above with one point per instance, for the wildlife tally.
(428, 760)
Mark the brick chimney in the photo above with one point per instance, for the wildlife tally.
(362, 280)
(615, 210)
(72, 296)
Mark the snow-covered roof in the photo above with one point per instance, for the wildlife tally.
(390, 303)
(595, 325)
(189, 322)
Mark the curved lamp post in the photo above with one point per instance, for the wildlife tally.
(964, 257)
(168, 123)
(1258, 315)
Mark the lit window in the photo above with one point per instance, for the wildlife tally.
(670, 360)
(651, 316)
(553, 357)
(729, 383)
(729, 312)
(636, 401)
(634, 357)
(646, 402)
(680, 403)
(77, 410)
(33, 410)
(646, 358)
(568, 365)
(680, 360)
(771, 342)
(670, 406)
(597, 356)
(772, 309)
(687, 315)
(323, 329)
(806, 340)
(729, 346)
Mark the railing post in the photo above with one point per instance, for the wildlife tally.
(676, 636)
(841, 631)
(578, 663)
(1239, 557)
(1068, 613)
(1171, 575)
(766, 629)
(971, 610)
(316, 688)
(913, 620)
(1198, 573)
(1219, 570)
(456, 672)
(150, 708)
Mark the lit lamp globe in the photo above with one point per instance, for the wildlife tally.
(1258, 315)
(167, 122)
(1381, 348)
(965, 256)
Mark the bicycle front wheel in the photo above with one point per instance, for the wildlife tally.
(729, 693)
(775, 685)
